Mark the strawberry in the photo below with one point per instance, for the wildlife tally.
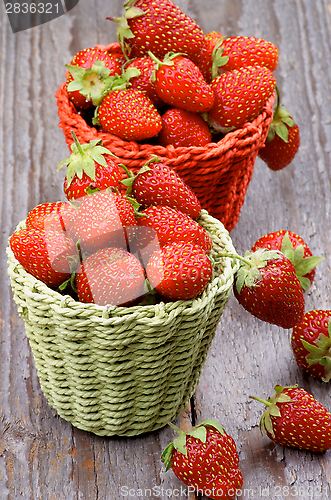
(294, 418)
(210, 57)
(158, 184)
(110, 276)
(48, 255)
(158, 26)
(90, 167)
(89, 76)
(104, 219)
(181, 128)
(143, 82)
(266, 286)
(239, 51)
(205, 459)
(311, 344)
(296, 250)
(172, 225)
(180, 83)
(179, 270)
(283, 140)
(240, 96)
(56, 216)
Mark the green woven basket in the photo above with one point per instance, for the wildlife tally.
(121, 370)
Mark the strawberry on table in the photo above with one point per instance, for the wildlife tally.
(240, 95)
(49, 256)
(239, 51)
(57, 216)
(293, 417)
(206, 459)
(159, 26)
(158, 184)
(90, 167)
(296, 250)
(311, 344)
(181, 128)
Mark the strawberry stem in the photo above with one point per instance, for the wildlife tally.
(267, 403)
(176, 429)
(234, 256)
(78, 146)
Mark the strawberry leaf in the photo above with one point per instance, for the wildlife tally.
(199, 432)
(282, 131)
(166, 456)
(180, 443)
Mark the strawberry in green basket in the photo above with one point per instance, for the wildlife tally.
(181, 128)
(158, 184)
(90, 167)
(49, 256)
(57, 216)
(311, 344)
(205, 459)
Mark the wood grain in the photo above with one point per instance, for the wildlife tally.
(42, 456)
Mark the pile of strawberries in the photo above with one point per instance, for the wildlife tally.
(171, 84)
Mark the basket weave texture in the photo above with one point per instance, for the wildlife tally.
(121, 370)
(218, 173)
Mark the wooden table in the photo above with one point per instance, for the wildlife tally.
(44, 457)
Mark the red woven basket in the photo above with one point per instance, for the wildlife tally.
(218, 173)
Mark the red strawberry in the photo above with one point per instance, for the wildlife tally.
(181, 128)
(296, 250)
(143, 82)
(283, 140)
(266, 286)
(57, 216)
(110, 276)
(157, 26)
(172, 225)
(158, 184)
(206, 460)
(240, 51)
(48, 255)
(240, 96)
(89, 76)
(179, 270)
(294, 418)
(210, 57)
(179, 82)
(311, 344)
(90, 167)
(104, 219)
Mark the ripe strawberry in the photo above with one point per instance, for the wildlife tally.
(179, 82)
(266, 286)
(89, 75)
(157, 26)
(49, 256)
(110, 276)
(158, 184)
(181, 128)
(143, 82)
(56, 216)
(179, 270)
(104, 219)
(240, 96)
(90, 167)
(296, 250)
(311, 344)
(294, 418)
(240, 51)
(172, 225)
(205, 458)
(210, 57)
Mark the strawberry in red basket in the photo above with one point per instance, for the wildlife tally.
(266, 285)
(296, 250)
(240, 96)
(239, 51)
(172, 225)
(283, 140)
(210, 57)
(179, 270)
(90, 167)
(104, 219)
(158, 184)
(180, 83)
(143, 82)
(158, 26)
(311, 344)
(56, 216)
(110, 276)
(181, 128)
(206, 459)
(49, 256)
(294, 418)
(89, 76)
